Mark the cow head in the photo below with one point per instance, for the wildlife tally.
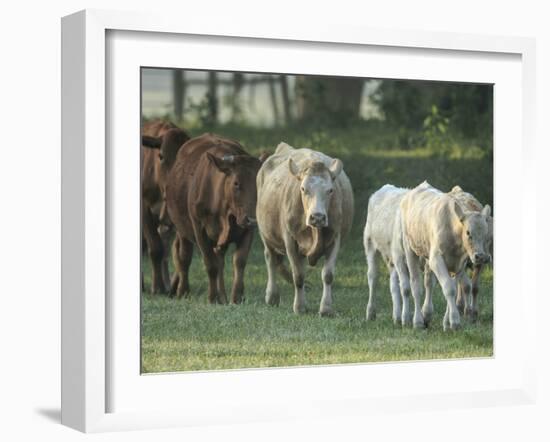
(168, 145)
(316, 189)
(476, 233)
(240, 185)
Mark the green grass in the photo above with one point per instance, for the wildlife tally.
(188, 334)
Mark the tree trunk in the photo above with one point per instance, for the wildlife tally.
(273, 96)
(286, 100)
(178, 84)
(238, 83)
(212, 98)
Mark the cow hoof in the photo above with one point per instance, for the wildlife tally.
(406, 323)
(272, 299)
(397, 321)
(419, 325)
(451, 327)
(158, 289)
(300, 310)
(371, 315)
(327, 313)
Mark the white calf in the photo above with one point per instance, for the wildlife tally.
(382, 234)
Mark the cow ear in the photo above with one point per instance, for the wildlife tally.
(456, 189)
(459, 212)
(152, 142)
(263, 156)
(294, 169)
(335, 168)
(486, 212)
(223, 164)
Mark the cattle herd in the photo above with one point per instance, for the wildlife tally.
(208, 192)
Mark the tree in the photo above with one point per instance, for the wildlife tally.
(212, 98)
(178, 89)
(328, 100)
(286, 100)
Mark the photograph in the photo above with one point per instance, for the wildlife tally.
(302, 220)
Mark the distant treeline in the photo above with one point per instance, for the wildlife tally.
(420, 113)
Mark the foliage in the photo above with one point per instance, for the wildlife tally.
(436, 128)
(468, 108)
(198, 112)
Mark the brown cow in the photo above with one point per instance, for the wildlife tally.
(160, 144)
(211, 199)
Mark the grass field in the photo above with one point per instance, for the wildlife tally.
(182, 335)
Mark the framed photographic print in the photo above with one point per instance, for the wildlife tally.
(281, 222)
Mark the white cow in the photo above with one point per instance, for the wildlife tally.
(437, 229)
(382, 234)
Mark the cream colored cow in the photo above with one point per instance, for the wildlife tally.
(437, 229)
(467, 289)
(304, 209)
(382, 235)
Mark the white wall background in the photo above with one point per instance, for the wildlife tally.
(30, 217)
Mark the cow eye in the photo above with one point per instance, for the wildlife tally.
(330, 191)
(161, 157)
(468, 233)
(303, 189)
(236, 183)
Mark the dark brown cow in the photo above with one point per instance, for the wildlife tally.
(211, 199)
(160, 143)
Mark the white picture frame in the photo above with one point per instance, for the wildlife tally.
(87, 210)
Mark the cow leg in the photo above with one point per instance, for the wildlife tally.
(182, 252)
(272, 296)
(460, 301)
(220, 255)
(372, 279)
(239, 263)
(448, 285)
(327, 275)
(165, 259)
(174, 282)
(413, 263)
(156, 250)
(395, 295)
(405, 289)
(210, 260)
(211, 263)
(475, 290)
(465, 285)
(428, 307)
(298, 275)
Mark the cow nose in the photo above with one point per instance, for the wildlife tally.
(480, 257)
(317, 219)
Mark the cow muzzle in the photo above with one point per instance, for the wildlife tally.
(481, 258)
(317, 219)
